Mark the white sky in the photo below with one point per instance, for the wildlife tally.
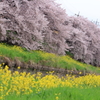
(87, 8)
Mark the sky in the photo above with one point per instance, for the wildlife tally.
(86, 8)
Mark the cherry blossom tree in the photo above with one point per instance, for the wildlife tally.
(44, 25)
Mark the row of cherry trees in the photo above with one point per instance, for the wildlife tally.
(43, 24)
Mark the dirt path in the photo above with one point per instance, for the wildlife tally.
(34, 68)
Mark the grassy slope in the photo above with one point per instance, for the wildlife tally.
(45, 59)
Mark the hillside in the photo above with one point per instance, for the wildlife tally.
(15, 56)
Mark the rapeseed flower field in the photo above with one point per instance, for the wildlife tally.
(26, 86)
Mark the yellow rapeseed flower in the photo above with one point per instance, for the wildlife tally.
(18, 67)
(57, 98)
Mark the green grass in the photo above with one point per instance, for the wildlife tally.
(63, 93)
(45, 59)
